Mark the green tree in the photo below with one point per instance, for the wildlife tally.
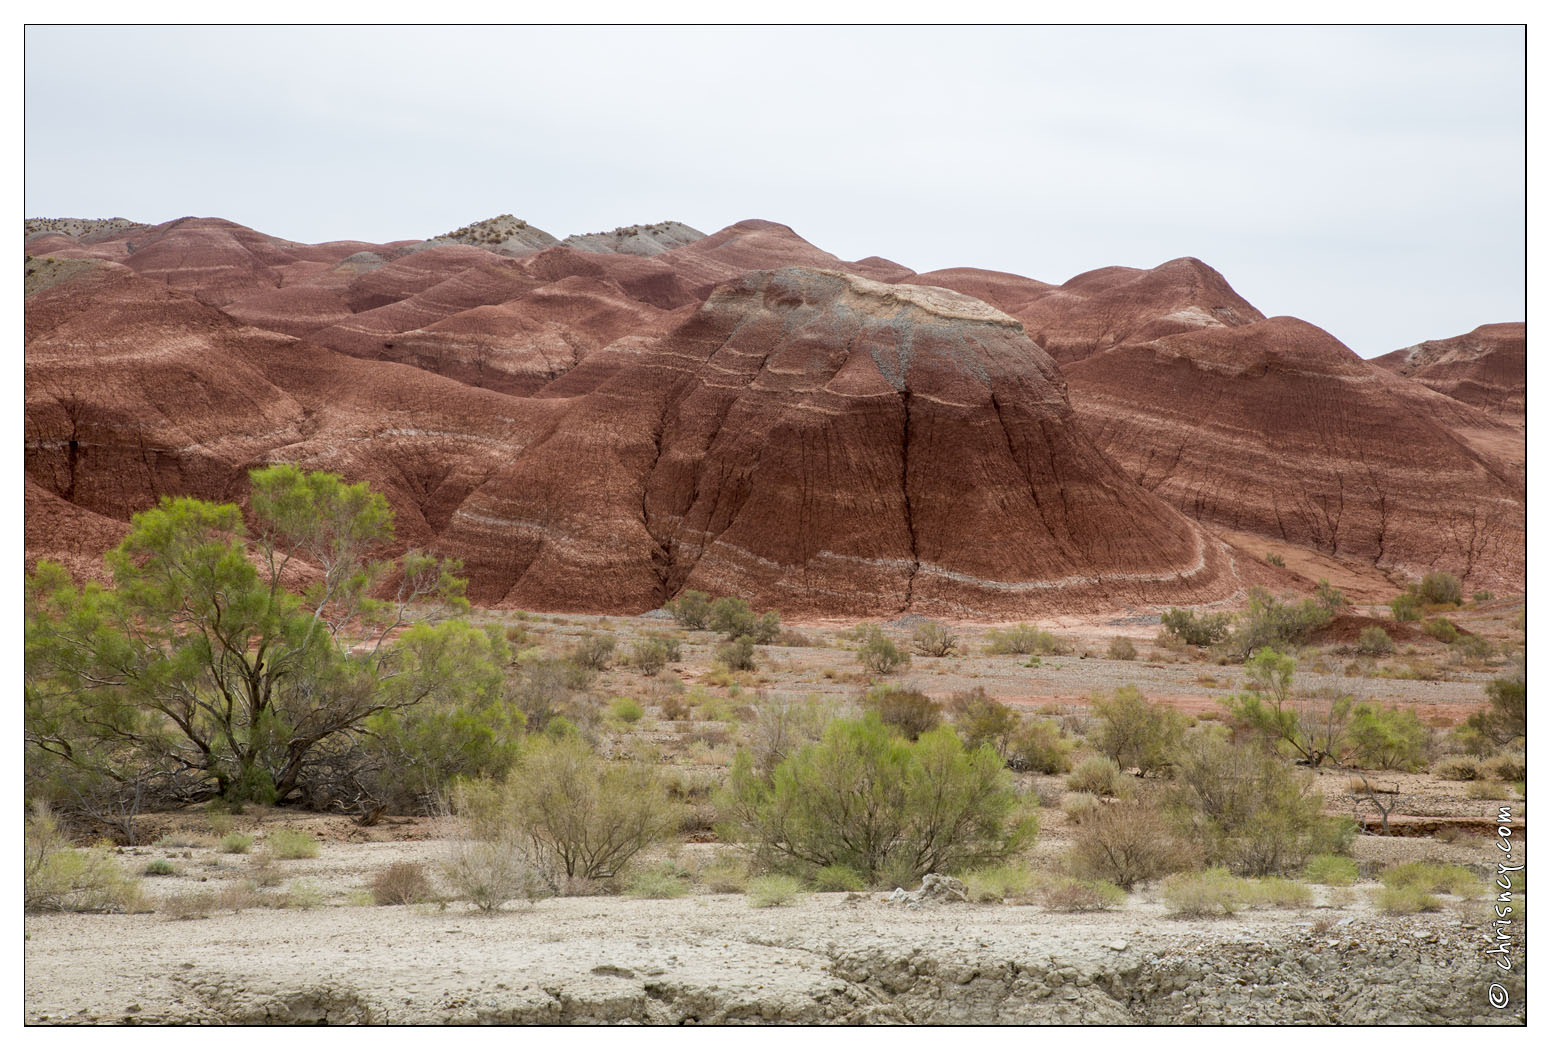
(198, 673)
(1504, 718)
(1135, 733)
(1312, 726)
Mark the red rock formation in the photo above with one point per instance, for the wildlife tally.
(823, 443)
(1484, 368)
(1276, 428)
(1103, 308)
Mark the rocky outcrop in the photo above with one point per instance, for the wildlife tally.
(636, 240)
(1484, 368)
(1276, 428)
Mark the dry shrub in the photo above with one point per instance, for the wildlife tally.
(490, 873)
(1457, 768)
(909, 711)
(1100, 776)
(1126, 842)
(1121, 649)
(60, 878)
(1215, 892)
(242, 894)
(402, 883)
(1078, 895)
(194, 905)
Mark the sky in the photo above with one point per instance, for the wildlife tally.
(1368, 180)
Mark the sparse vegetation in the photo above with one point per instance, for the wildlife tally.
(774, 890)
(1375, 642)
(1020, 639)
(1121, 648)
(1332, 870)
(879, 654)
(737, 655)
(402, 883)
(908, 711)
(1440, 589)
(290, 844)
(933, 639)
(1135, 733)
(1196, 629)
(1126, 843)
(1100, 776)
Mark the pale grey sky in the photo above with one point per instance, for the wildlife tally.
(1370, 181)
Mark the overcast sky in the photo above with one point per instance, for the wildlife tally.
(1370, 181)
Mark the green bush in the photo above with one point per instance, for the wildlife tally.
(770, 891)
(1214, 892)
(1407, 606)
(909, 711)
(1330, 597)
(983, 720)
(1510, 768)
(878, 653)
(1439, 589)
(1101, 776)
(732, 617)
(1274, 559)
(1504, 719)
(872, 801)
(996, 883)
(1249, 810)
(1434, 878)
(737, 655)
(658, 881)
(1039, 747)
(289, 844)
(235, 843)
(1442, 630)
(1269, 622)
(1388, 738)
(582, 818)
(838, 877)
(627, 710)
(1404, 901)
(1126, 842)
(1277, 892)
(1020, 639)
(1121, 649)
(57, 877)
(1481, 596)
(1375, 642)
(1332, 870)
(1135, 733)
(1311, 726)
(691, 609)
(1472, 648)
(1196, 629)
(934, 640)
(593, 651)
(650, 655)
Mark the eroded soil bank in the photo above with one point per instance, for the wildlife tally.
(716, 959)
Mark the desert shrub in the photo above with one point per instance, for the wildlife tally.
(879, 654)
(767, 628)
(1270, 622)
(908, 711)
(1126, 842)
(1329, 597)
(791, 637)
(674, 707)
(737, 655)
(933, 639)
(490, 873)
(545, 690)
(1196, 629)
(873, 801)
(1388, 738)
(1332, 870)
(1064, 894)
(1247, 809)
(1310, 726)
(1121, 649)
(57, 877)
(1278, 892)
(1405, 900)
(1503, 720)
(691, 609)
(192, 905)
(1039, 747)
(1020, 639)
(651, 655)
(1442, 630)
(1482, 790)
(838, 877)
(300, 895)
(1214, 892)
(782, 725)
(731, 617)
(1457, 768)
(726, 875)
(1080, 806)
(593, 651)
(289, 844)
(981, 719)
(1440, 589)
(1471, 648)
(1508, 768)
(627, 710)
(996, 883)
(235, 843)
(402, 883)
(766, 892)
(1100, 776)
(1434, 878)
(1135, 733)
(1406, 606)
(657, 881)
(1273, 559)
(1481, 596)
(580, 817)
(1375, 642)
(159, 867)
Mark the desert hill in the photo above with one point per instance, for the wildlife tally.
(598, 421)
(1484, 368)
